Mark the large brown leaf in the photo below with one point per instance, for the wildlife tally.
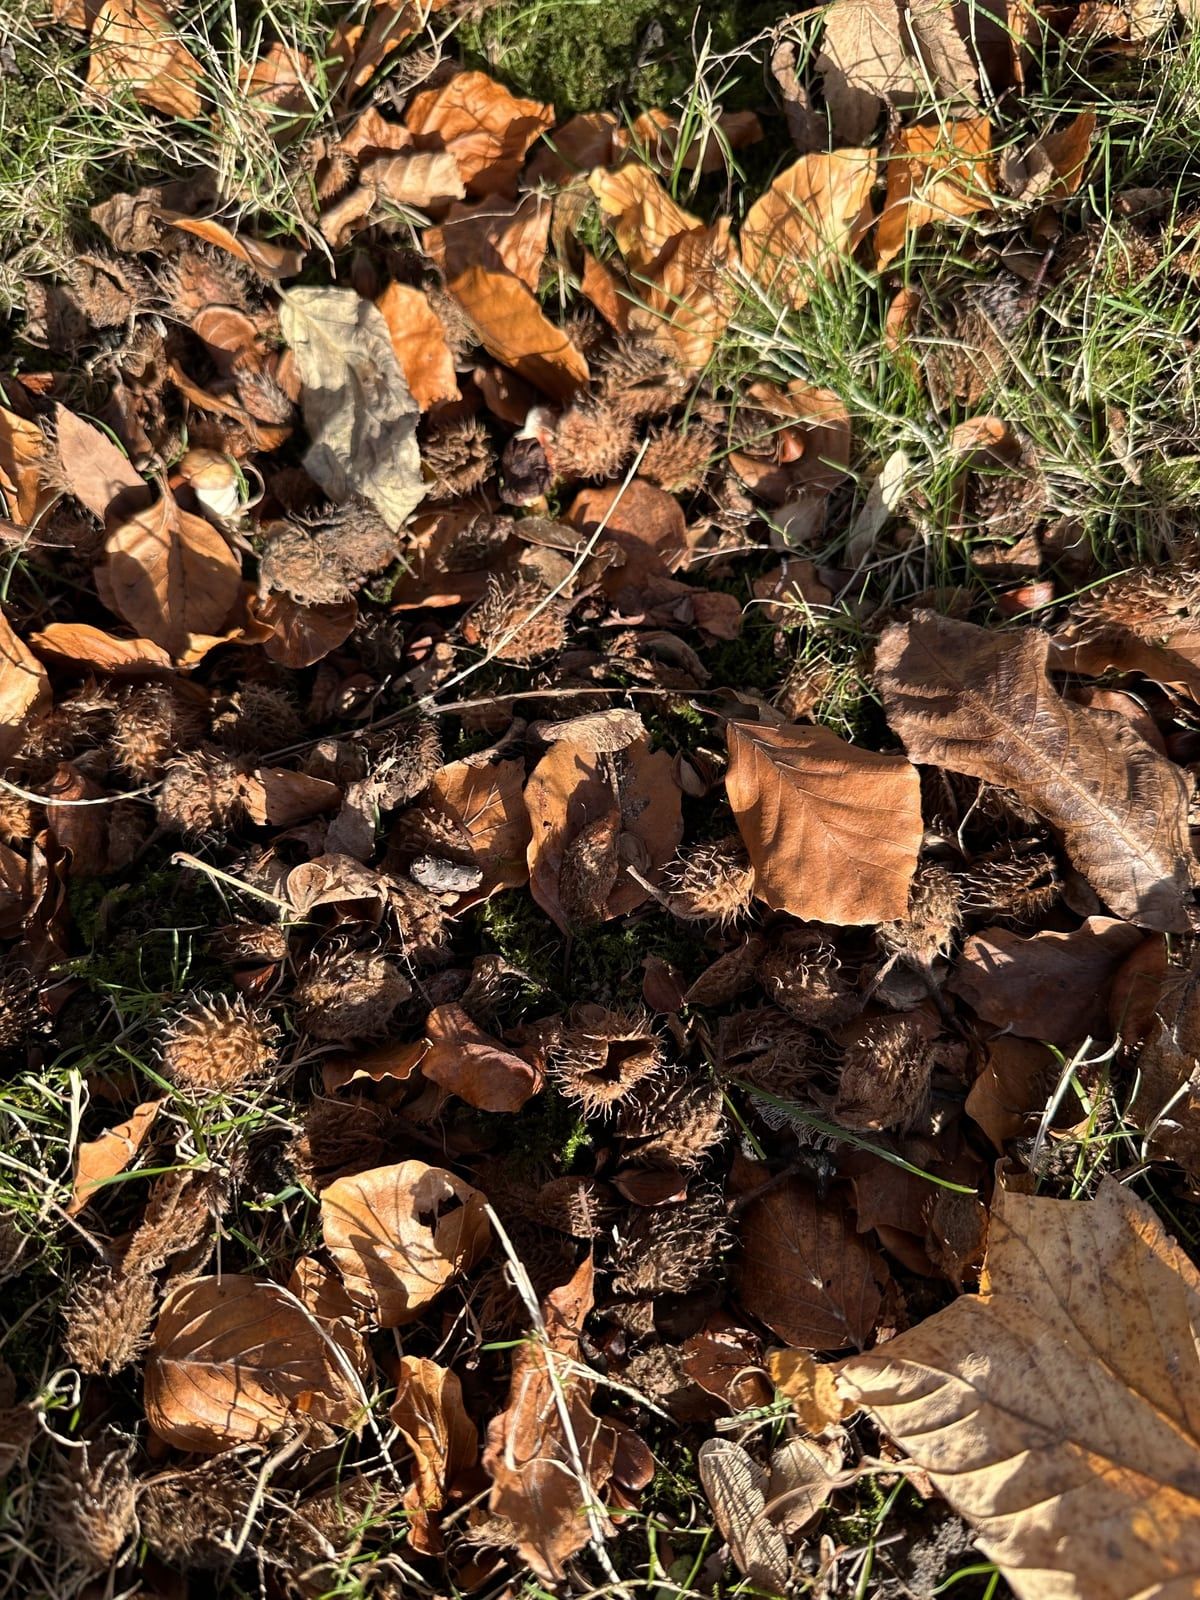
(400, 1234)
(485, 128)
(234, 1358)
(833, 831)
(429, 1412)
(513, 327)
(419, 341)
(23, 453)
(1059, 1411)
(24, 686)
(135, 47)
(980, 703)
(171, 576)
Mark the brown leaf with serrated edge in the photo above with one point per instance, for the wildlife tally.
(513, 328)
(935, 173)
(536, 1486)
(980, 703)
(23, 450)
(465, 1061)
(1077, 1361)
(97, 1160)
(832, 830)
(134, 47)
(736, 1489)
(805, 1272)
(400, 1234)
(480, 816)
(429, 1412)
(809, 220)
(485, 128)
(171, 575)
(419, 340)
(24, 687)
(233, 1359)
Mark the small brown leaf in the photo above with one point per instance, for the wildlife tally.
(23, 452)
(97, 472)
(24, 687)
(485, 128)
(809, 220)
(272, 260)
(281, 798)
(97, 1160)
(465, 1061)
(302, 635)
(480, 808)
(171, 575)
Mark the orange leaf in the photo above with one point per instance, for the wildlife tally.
(429, 1412)
(512, 327)
(687, 296)
(23, 449)
(171, 575)
(478, 815)
(810, 219)
(272, 260)
(83, 645)
(502, 235)
(643, 217)
(106, 1157)
(486, 129)
(96, 470)
(134, 47)
(419, 340)
(301, 635)
(934, 174)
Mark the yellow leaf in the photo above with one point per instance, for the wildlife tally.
(810, 1385)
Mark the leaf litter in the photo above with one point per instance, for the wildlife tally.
(606, 1010)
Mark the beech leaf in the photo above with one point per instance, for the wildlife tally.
(812, 217)
(97, 1160)
(24, 686)
(171, 575)
(736, 1487)
(980, 703)
(429, 1412)
(467, 1062)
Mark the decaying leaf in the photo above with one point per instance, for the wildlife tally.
(833, 830)
(980, 703)
(429, 1412)
(171, 576)
(1077, 1365)
(234, 1359)
(24, 687)
(935, 173)
(97, 1160)
(419, 340)
(465, 1061)
(400, 1234)
(811, 218)
(736, 1487)
(358, 408)
(23, 451)
(811, 1386)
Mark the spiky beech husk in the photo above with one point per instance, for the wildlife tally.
(219, 1045)
(571, 1206)
(459, 456)
(338, 1137)
(347, 994)
(671, 1249)
(802, 972)
(108, 1318)
(420, 920)
(657, 1372)
(18, 816)
(21, 1016)
(885, 1076)
(190, 1518)
(264, 399)
(327, 559)
(589, 871)
(249, 944)
(258, 717)
(88, 1504)
(1012, 886)
(638, 379)
(934, 917)
(179, 1214)
(603, 1055)
(679, 459)
(201, 794)
(590, 440)
(1143, 601)
(403, 760)
(672, 1120)
(200, 276)
(973, 345)
(512, 623)
(711, 882)
(151, 723)
(548, 1258)
(1009, 503)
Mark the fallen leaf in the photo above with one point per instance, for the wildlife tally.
(79, 831)
(1166, 1103)
(1077, 1363)
(645, 523)
(805, 1272)
(233, 1359)
(804, 1473)
(641, 214)
(935, 173)
(358, 408)
(536, 1485)
(170, 575)
(429, 1412)
(302, 635)
(980, 703)
(811, 1386)
(358, 49)
(97, 1160)
(485, 128)
(134, 47)
(513, 328)
(863, 64)
(23, 452)
(271, 260)
(736, 1489)
(465, 1061)
(419, 342)
(418, 181)
(24, 688)
(478, 814)
(1013, 1087)
(809, 220)
(95, 470)
(282, 798)
(684, 301)
(833, 831)
(400, 1234)
(502, 235)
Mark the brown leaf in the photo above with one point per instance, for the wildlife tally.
(400, 1234)
(935, 173)
(1014, 1086)
(484, 127)
(804, 1473)
(419, 341)
(513, 328)
(503, 235)
(95, 470)
(465, 1061)
(429, 1412)
(233, 1359)
(23, 451)
(1166, 1104)
(811, 1386)
(24, 688)
(1077, 1362)
(685, 300)
(615, 728)
(134, 47)
(171, 575)
(281, 798)
(809, 220)
(863, 63)
(80, 831)
(536, 1486)
(359, 49)
(302, 635)
(1051, 986)
(980, 703)
(641, 214)
(736, 1488)
(805, 1272)
(645, 523)
(833, 831)
(480, 808)
(97, 1160)
(416, 180)
(272, 260)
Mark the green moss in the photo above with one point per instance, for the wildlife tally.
(547, 1136)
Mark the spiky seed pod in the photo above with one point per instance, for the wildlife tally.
(21, 1015)
(1012, 886)
(338, 1137)
(638, 379)
(201, 276)
(258, 717)
(934, 917)
(671, 1249)
(885, 1076)
(603, 1055)
(190, 1518)
(151, 723)
(264, 399)
(219, 1045)
(201, 794)
(108, 1320)
(1004, 505)
(980, 332)
(711, 882)
(508, 623)
(295, 561)
(179, 1213)
(420, 919)
(589, 870)
(89, 1501)
(459, 456)
(679, 459)
(803, 974)
(460, 332)
(549, 1259)
(590, 440)
(249, 944)
(657, 1372)
(1143, 601)
(404, 760)
(18, 817)
(672, 1120)
(349, 995)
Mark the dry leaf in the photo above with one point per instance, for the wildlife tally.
(360, 49)
(170, 575)
(613, 729)
(503, 235)
(486, 129)
(513, 328)
(935, 173)
(833, 831)
(686, 298)
(736, 1487)
(465, 1061)
(429, 1412)
(1076, 1365)
(535, 1485)
(805, 1273)
(24, 687)
(281, 798)
(643, 217)
(96, 471)
(301, 635)
(96, 1160)
(980, 703)
(134, 47)
(416, 180)
(233, 1359)
(23, 451)
(419, 341)
(811, 1386)
(863, 64)
(85, 646)
(1166, 1104)
(646, 524)
(358, 408)
(400, 1234)
(804, 1473)
(481, 810)
(810, 219)
(271, 260)
(1014, 1085)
